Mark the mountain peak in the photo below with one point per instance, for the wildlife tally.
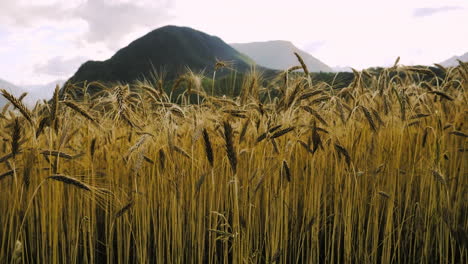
(170, 48)
(13, 89)
(174, 29)
(453, 61)
(279, 55)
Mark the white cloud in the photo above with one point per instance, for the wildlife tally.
(422, 12)
(109, 22)
(40, 37)
(60, 66)
(28, 14)
(106, 21)
(315, 45)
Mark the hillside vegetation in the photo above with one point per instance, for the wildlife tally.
(375, 172)
(170, 49)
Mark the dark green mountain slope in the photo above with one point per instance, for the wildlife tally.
(170, 48)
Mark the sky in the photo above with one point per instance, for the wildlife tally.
(45, 40)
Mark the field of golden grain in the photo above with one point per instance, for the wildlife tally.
(372, 173)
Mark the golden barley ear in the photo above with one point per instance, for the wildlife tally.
(69, 180)
(286, 171)
(6, 174)
(162, 159)
(54, 109)
(442, 68)
(339, 108)
(384, 194)
(124, 209)
(305, 146)
(230, 150)
(45, 121)
(442, 94)
(316, 140)
(342, 151)
(18, 104)
(307, 94)
(369, 118)
(266, 134)
(28, 168)
(181, 151)
(56, 153)
(459, 133)
(199, 183)
(377, 117)
(92, 148)
(81, 111)
(301, 61)
(22, 96)
(396, 62)
(282, 132)
(208, 148)
(245, 126)
(315, 114)
(16, 134)
(439, 177)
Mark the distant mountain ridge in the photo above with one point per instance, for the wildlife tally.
(10, 87)
(13, 89)
(279, 55)
(170, 48)
(453, 61)
(42, 91)
(35, 92)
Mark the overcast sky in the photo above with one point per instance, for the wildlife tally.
(45, 40)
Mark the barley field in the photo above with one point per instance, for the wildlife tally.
(290, 171)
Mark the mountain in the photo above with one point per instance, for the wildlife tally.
(35, 91)
(13, 89)
(42, 91)
(452, 62)
(10, 87)
(170, 48)
(278, 55)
